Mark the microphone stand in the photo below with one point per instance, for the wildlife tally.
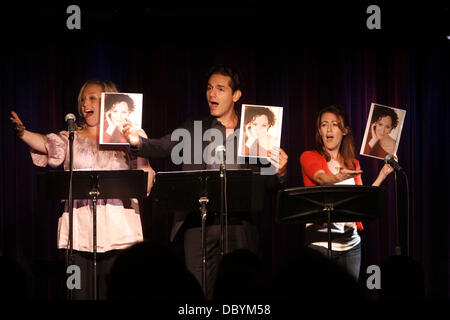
(70, 257)
(409, 218)
(94, 193)
(391, 160)
(223, 207)
(398, 250)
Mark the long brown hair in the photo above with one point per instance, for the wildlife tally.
(107, 86)
(347, 148)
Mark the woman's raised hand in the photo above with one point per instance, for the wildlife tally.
(35, 140)
(19, 128)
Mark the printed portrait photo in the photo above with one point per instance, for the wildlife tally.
(260, 130)
(116, 108)
(383, 131)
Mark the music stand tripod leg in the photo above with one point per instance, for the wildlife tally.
(94, 193)
(223, 212)
(95, 246)
(329, 208)
(398, 250)
(203, 201)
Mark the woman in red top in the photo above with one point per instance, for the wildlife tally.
(334, 162)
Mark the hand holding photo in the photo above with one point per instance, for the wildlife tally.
(383, 131)
(279, 158)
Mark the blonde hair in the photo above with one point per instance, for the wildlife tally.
(107, 86)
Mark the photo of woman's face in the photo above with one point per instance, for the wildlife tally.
(119, 112)
(383, 126)
(259, 126)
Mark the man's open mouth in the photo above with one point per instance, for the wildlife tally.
(213, 104)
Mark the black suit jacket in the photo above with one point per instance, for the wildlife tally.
(162, 148)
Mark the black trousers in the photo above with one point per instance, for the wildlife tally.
(84, 260)
(240, 236)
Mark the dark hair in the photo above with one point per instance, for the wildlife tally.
(253, 112)
(239, 276)
(229, 71)
(380, 112)
(403, 278)
(112, 99)
(347, 149)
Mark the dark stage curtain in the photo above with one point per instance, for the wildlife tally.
(41, 74)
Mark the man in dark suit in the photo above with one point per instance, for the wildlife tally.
(222, 93)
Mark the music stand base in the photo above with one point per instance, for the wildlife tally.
(329, 208)
(203, 201)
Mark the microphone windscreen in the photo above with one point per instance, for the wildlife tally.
(221, 153)
(69, 116)
(220, 148)
(387, 158)
(390, 157)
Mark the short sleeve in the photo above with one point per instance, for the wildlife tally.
(56, 145)
(311, 162)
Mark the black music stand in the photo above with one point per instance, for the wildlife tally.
(329, 204)
(183, 191)
(94, 185)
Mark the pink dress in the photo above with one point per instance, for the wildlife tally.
(118, 221)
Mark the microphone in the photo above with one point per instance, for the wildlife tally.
(221, 153)
(70, 119)
(390, 159)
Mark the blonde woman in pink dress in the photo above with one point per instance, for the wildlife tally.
(118, 220)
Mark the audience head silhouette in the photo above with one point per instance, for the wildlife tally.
(152, 271)
(14, 280)
(239, 276)
(402, 278)
(310, 275)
